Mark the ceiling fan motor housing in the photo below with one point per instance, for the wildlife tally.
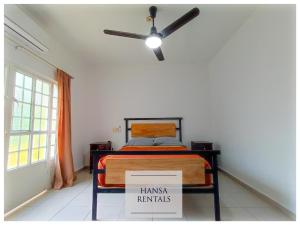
(153, 11)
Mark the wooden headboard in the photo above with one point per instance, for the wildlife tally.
(176, 119)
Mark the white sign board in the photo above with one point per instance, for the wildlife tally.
(153, 194)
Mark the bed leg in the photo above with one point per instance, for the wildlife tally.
(95, 188)
(94, 207)
(216, 189)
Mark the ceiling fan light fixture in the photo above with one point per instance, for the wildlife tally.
(154, 41)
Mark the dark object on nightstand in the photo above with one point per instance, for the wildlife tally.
(103, 145)
(202, 145)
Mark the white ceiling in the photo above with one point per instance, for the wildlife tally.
(80, 28)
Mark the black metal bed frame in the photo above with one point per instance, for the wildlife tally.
(213, 189)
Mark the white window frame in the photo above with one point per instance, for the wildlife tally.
(10, 71)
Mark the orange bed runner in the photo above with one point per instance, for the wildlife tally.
(102, 161)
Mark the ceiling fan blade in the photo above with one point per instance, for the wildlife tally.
(180, 22)
(125, 34)
(159, 54)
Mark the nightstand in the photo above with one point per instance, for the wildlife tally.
(202, 145)
(102, 145)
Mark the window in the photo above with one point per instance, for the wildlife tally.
(32, 134)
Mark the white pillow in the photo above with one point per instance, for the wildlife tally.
(167, 141)
(141, 141)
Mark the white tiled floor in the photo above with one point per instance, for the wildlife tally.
(74, 203)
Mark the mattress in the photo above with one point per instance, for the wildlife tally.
(104, 161)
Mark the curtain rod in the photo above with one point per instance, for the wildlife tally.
(18, 46)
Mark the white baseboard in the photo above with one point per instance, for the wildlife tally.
(262, 195)
(38, 195)
(24, 203)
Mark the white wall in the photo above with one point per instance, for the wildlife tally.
(34, 179)
(252, 95)
(148, 91)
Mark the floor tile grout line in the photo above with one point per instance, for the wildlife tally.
(252, 214)
(87, 215)
(67, 204)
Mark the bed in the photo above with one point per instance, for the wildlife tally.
(198, 175)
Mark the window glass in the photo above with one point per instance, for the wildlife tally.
(19, 79)
(35, 155)
(24, 142)
(32, 136)
(36, 141)
(37, 125)
(12, 161)
(42, 153)
(27, 96)
(14, 142)
(28, 83)
(44, 113)
(38, 99)
(38, 86)
(19, 94)
(25, 124)
(43, 140)
(37, 111)
(16, 123)
(23, 160)
(26, 110)
(17, 109)
(45, 101)
(44, 125)
(45, 88)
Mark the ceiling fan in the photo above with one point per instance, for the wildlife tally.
(154, 40)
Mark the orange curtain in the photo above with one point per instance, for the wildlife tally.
(64, 171)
